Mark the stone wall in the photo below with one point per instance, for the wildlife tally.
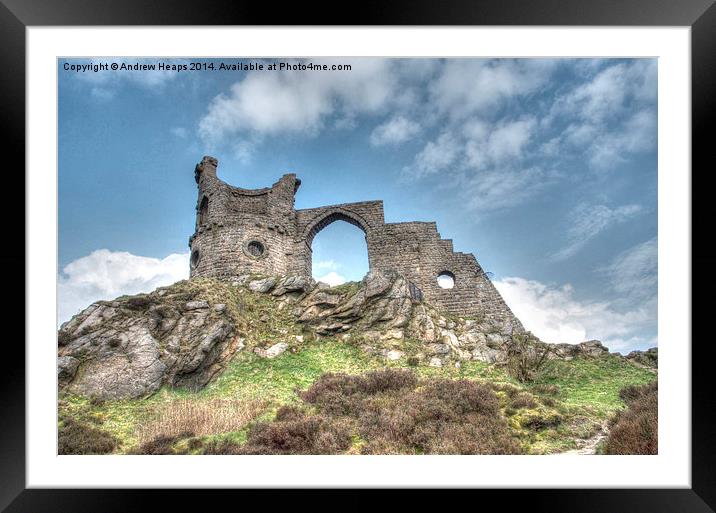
(243, 231)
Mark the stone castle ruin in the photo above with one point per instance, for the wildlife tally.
(258, 231)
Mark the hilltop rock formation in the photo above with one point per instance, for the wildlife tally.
(132, 346)
(185, 334)
(648, 358)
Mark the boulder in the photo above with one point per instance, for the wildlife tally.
(494, 340)
(196, 305)
(473, 338)
(592, 348)
(273, 351)
(110, 356)
(262, 285)
(648, 358)
(66, 368)
(291, 284)
(394, 354)
(434, 349)
(435, 362)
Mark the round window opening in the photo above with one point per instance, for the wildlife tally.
(195, 258)
(255, 248)
(446, 280)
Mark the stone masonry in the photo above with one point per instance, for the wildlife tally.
(244, 231)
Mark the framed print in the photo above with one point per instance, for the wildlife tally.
(437, 248)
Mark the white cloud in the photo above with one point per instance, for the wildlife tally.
(271, 103)
(556, 316)
(489, 146)
(436, 156)
(332, 279)
(105, 274)
(622, 323)
(244, 151)
(496, 189)
(608, 148)
(588, 222)
(468, 86)
(608, 93)
(394, 131)
(324, 264)
(612, 116)
(633, 274)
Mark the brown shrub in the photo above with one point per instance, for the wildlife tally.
(544, 389)
(342, 394)
(632, 393)
(305, 434)
(220, 447)
(442, 417)
(548, 401)
(79, 438)
(289, 413)
(207, 417)
(162, 444)
(390, 411)
(636, 429)
(139, 302)
(525, 357)
(524, 401)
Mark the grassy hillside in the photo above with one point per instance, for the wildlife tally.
(571, 400)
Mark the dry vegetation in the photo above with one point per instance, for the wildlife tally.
(186, 417)
(76, 437)
(635, 430)
(525, 357)
(383, 412)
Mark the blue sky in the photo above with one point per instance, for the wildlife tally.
(545, 169)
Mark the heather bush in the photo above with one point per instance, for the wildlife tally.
(636, 429)
(342, 394)
(79, 438)
(221, 447)
(162, 444)
(440, 417)
(389, 412)
(524, 401)
(632, 393)
(306, 434)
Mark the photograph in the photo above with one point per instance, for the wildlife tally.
(357, 256)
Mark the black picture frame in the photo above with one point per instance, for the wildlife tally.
(700, 15)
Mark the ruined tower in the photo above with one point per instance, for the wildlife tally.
(244, 231)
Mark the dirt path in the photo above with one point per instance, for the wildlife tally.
(589, 446)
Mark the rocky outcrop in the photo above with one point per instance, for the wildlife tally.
(590, 349)
(130, 347)
(648, 358)
(184, 335)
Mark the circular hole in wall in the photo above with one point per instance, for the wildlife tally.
(446, 280)
(195, 258)
(255, 248)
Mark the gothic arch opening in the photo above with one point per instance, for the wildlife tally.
(339, 250)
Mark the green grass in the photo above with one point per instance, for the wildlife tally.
(594, 383)
(589, 391)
